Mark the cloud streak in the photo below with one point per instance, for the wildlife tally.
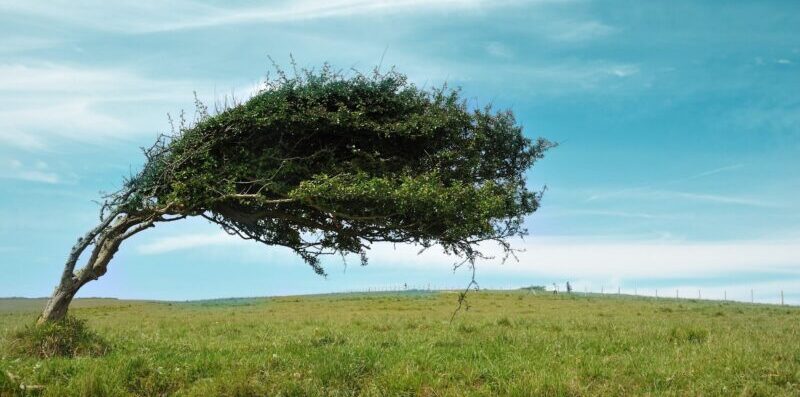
(143, 17)
(190, 241)
(646, 193)
(40, 101)
(565, 257)
(38, 172)
(38, 78)
(715, 171)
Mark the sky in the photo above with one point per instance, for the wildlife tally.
(678, 125)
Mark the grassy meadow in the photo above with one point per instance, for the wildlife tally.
(508, 343)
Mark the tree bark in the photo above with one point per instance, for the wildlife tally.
(106, 238)
(58, 304)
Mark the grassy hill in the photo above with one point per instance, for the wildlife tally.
(508, 343)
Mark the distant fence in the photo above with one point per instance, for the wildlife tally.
(714, 294)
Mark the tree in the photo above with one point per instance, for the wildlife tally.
(323, 163)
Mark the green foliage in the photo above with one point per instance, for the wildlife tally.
(324, 163)
(65, 338)
(405, 345)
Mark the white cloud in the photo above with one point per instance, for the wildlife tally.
(564, 258)
(572, 258)
(715, 198)
(609, 213)
(83, 82)
(624, 70)
(38, 172)
(647, 193)
(714, 171)
(568, 77)
(44, 100)
(577, 31)
(19, 139)
(76, 120)
(498, 50)
(186, 242)
(137, 16)
(22, 43)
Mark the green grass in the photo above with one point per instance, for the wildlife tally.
(509, 343)
(69, 337)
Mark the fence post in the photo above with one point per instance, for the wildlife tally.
(618, 289)
(676, 294)
(725, 295)
(698, 294)
(781, 297)
(601, 289)
(751, 296)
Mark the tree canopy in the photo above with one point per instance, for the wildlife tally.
(323, 163)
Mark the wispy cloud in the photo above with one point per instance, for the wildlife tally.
(714, 171)
(716, 198)
(646, 193)
(131, 16)
(20, 139)
(12, 44)
(656, 192)
(579, 30)
(36, 172)
(498, 50)
(607, 213)
(37, 78)
(582, 257)
(562, 77)
(580, 74)
(186, 242)
(570, 257)
(25, 127)
(40, 101)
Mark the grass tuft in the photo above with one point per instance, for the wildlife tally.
(688, 334)
(8, 385)
(66, 338)
(505, 322)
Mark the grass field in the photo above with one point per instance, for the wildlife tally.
(508, 343)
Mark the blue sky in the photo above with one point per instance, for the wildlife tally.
(679, 124)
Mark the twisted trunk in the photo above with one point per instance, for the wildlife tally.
(106, 239)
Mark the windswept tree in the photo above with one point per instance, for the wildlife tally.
(323, 163)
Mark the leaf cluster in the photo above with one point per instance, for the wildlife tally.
(325, 163)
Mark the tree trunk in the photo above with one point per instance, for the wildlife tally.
(57, 305)
(106, 239)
